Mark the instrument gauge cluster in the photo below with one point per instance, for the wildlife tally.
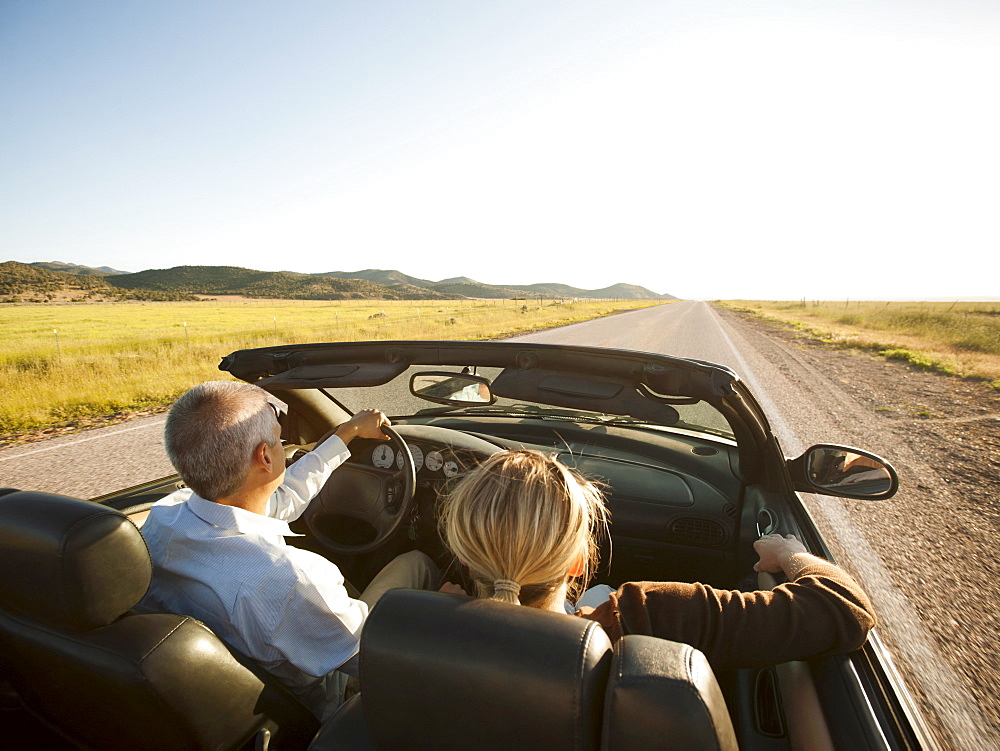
(418, 457)
(438, 461)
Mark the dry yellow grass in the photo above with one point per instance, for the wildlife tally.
(957, 338)
(60, 363)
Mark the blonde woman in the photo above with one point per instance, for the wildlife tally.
(526, 527)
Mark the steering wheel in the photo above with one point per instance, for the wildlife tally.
(380, 498)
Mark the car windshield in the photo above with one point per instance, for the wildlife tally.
(394, 398)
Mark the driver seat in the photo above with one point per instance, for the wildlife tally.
(103, 677)
(446, 671)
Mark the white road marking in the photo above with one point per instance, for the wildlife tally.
(21, 454)
(961, 718)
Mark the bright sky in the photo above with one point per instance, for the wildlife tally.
(770, 149)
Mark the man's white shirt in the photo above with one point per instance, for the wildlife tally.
(285, 607)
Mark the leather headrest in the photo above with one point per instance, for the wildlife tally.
(663, 690)
(440, 670)
(68, 563)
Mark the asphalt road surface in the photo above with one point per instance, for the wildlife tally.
(805, 406)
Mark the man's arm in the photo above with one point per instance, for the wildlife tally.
(365, 424)
(306, 477)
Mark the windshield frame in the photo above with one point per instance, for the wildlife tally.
(339, 365)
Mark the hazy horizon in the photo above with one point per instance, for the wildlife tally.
(588, 289)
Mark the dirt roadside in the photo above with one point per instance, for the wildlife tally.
(938, 537)
(956, 419)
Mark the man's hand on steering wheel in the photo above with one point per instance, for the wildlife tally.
(365, 424)
(380, 498)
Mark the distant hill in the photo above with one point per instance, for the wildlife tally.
(379, 276)
(23, 282)
(622, 291)
(233, 280)
(72, 268)
(473, 288)
(40, 281)
(463, 286)
(194, 279)
(16, 278)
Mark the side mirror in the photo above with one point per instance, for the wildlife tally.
(845, 472)
(452, 388)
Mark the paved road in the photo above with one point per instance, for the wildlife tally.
(803, 403)
(89, 464)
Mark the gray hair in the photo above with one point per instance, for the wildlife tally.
(212, 431)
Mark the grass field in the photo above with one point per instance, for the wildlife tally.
(62, 363)
(957, 338)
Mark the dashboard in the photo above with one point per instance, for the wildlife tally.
(673, 497)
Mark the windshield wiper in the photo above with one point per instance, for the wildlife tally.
(482, 409)
(434, 411)
(515, 410)
(545, 413)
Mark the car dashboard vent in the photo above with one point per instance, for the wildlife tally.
(704, 532)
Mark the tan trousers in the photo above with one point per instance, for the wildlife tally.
(413, 570)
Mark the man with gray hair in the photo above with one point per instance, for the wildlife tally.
(218, 546)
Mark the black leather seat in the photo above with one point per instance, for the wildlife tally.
(661, 690)
(105, 678)
(449, 672)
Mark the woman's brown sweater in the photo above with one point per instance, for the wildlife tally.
(824, 611)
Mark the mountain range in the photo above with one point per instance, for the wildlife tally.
(42, 281)
(73, 268)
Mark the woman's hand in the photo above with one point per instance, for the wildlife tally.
(776, 553)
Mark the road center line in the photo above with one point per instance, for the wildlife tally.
(83, 440)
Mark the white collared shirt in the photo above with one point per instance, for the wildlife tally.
(285, 607)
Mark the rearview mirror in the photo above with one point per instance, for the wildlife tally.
(845, 472)
(452, 388)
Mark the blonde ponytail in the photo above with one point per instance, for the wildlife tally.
(506, 590)
(520, 521)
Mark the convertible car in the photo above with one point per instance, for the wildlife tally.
(693, 476)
